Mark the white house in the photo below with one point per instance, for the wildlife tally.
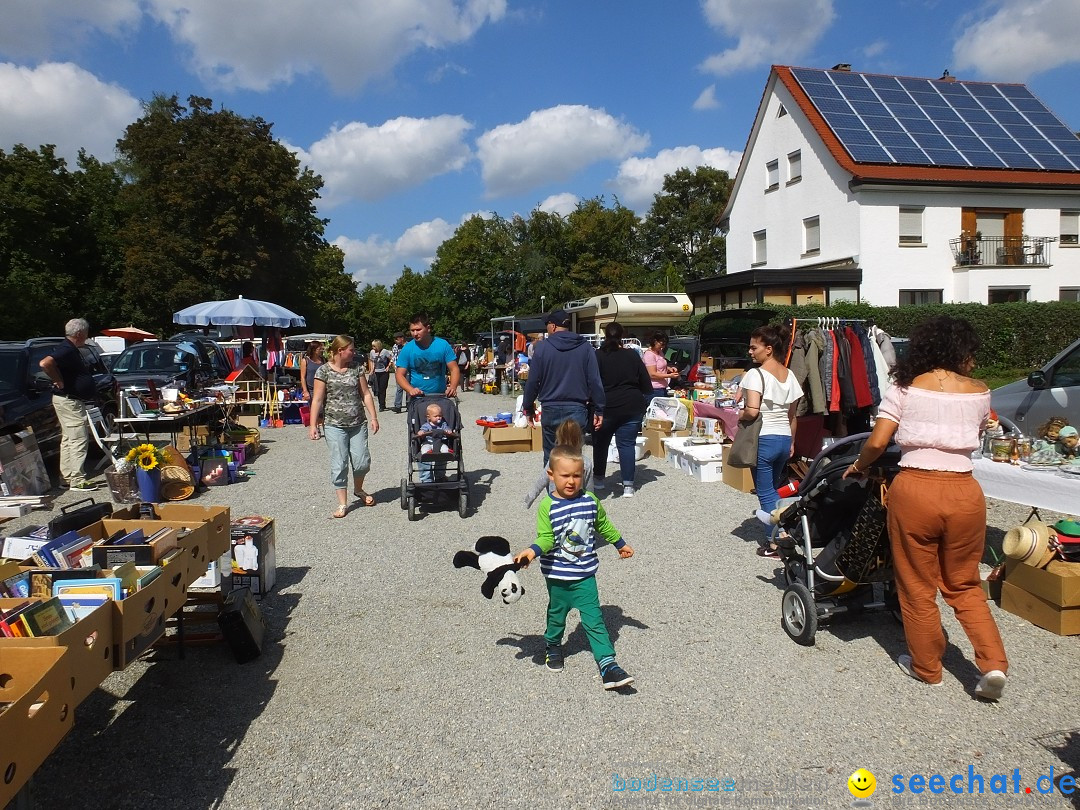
(895, 190)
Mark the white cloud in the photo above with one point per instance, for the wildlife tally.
(766, 31)
(875, 48)
(640, 179)
(707, 100)
(551, 145)
(36, 28)
(1020, 39)
(424, 239)
(62, 104)
(369, 163)
(377, 260)
(561, 204)
(350, 43)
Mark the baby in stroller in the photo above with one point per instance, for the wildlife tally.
(435, 431)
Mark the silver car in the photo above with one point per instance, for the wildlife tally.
(1053, 390)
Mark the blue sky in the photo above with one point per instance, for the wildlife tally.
(420, 113)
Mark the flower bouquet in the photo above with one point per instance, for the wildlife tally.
(146, 457)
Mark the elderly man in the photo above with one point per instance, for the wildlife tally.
(73, 387)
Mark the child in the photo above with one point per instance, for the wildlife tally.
(569, 435)
(434, 430)
(569, 524)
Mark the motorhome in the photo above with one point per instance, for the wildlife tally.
(639, 313)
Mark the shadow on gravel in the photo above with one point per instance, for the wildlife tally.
(750, 530)
(168, 739)
(1066, 745)
(480, 482)
(532, 647)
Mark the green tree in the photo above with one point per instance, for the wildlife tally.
(218, 208)
(408, 295)
(605, 250)
(682, 229)
(370, 316)
(543, 256)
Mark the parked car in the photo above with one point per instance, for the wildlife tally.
(191, 364)
(26, 390)
(724, 335)
(1053, 390)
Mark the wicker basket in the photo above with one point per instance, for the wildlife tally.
(122, 486)
(177, 483)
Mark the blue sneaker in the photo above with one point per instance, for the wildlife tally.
(554, 658)
(615, 676)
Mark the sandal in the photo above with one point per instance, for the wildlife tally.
(340, 512)
(368, 500)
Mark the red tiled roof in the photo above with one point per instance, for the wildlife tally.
(899, 173)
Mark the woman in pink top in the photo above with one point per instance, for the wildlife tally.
(937, 512)
(660, 373)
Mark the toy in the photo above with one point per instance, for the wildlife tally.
(1049, 430)
(1068, 442)
(491, 554)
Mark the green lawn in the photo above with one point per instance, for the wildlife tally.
(996, 377)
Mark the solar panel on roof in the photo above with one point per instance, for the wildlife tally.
(960, 124)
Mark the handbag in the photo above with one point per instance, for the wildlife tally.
(865, 558)
(744, 449)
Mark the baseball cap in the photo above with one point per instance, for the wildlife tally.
(559, 317)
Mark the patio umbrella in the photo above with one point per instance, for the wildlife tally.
(132, 334)
(239, 312)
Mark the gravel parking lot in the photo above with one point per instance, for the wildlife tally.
(389, 681)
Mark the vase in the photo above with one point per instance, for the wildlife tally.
(149, 484)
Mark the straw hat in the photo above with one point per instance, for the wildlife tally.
(1029, 543)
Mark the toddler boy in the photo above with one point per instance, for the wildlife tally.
(434, 431)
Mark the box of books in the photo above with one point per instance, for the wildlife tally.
(254, 554)
(139, 618)
(36, 710)
(191, 541)
(216, 516)
(120, 541)
(88, 639)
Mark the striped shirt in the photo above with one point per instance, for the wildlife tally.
(567, 533)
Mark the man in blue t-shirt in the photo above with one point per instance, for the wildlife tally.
(427, 364)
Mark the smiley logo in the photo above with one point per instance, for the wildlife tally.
(862, 784)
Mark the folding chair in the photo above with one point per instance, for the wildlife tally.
(103, 436)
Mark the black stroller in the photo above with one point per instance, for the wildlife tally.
(836, 554)
(448, 471)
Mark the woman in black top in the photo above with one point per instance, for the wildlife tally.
(627, 385)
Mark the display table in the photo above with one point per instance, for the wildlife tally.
(171, 424)
(1058, 492)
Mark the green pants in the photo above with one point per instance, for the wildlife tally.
(583, 595)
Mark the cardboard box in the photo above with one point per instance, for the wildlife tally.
(730, 374)
(22, 470)
(218, 575)
(254, 554)
(709, 428)
(89, 644)
(537, 439)
(741, 478)
(654, 440)
(659, 424)
(509, 439)
(141, 554)
(216, 516)
(36, 682)
(1065, 621)
(1058, 584)
(139, 619)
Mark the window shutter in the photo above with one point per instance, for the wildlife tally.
(911, 225)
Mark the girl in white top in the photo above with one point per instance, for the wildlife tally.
(772, 391)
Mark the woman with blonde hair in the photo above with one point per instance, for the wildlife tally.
(342, 405)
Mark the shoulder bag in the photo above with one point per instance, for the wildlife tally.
(744, 449)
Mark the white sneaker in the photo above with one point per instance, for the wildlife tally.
(628, 490)
(991, 685)
(904, 662)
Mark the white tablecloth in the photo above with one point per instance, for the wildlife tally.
(1058, 492)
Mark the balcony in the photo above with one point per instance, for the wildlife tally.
(1002, 251)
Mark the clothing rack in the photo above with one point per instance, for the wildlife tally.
(826, 322)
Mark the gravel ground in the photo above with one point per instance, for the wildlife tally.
(388, 681)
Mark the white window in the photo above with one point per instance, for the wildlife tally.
(1070, 227)
(1006, 295)
(811, 236)
(1069, 294)
(760, 255)
(843, 294)
(911, 220)
(794, 166)
(772, 175)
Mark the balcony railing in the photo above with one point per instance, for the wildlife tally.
(1002, 251)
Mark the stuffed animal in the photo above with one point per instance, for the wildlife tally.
(1068, 442)
(491, 554)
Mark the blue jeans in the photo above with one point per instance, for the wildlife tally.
(625, 435)
(773, 453)
(348, 448)
(551, 416)
(398, 394)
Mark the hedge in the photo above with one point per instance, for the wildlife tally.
(1014, 336)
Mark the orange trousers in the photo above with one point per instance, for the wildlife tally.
(937, 530)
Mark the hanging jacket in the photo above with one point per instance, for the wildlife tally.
(828, 371)
(815, 350)
(834, 371)
(843, 373)
(797, 365)
(860, 383)
(871, 366)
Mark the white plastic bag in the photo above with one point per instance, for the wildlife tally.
(669, 408)
(520, 420)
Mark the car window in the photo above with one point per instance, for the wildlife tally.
(10, 371)
(1067, 372)
(92, 360)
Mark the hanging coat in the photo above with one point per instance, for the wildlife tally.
(843, 372)
(815, 350)
(871, 366)
(797, 366)
(860, 383)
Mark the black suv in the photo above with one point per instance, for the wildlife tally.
(26, 390)
(192, 364)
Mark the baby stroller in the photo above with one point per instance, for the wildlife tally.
(449, 467)
(836, 553)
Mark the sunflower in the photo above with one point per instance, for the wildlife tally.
(147, 456)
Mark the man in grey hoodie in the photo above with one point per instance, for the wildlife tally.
(564, 376)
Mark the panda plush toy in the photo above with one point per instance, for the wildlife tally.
(491, 554)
